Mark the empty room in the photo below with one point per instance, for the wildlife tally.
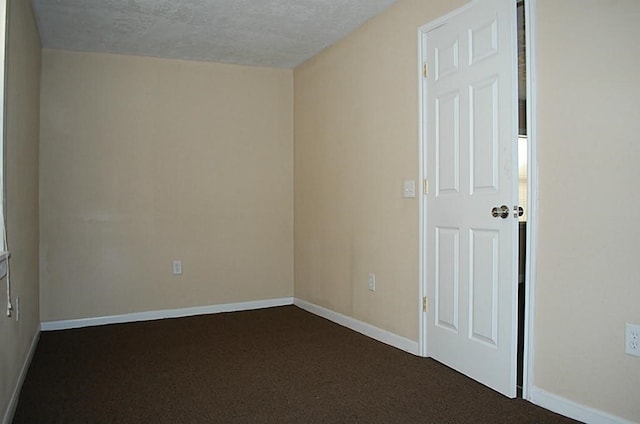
(312, 211)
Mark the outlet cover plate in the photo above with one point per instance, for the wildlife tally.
(372, 282)
(632, 339)
(177, 267)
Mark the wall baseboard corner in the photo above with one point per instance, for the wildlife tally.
(361, 327)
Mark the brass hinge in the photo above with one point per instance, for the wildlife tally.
(425, 186)
(425, 304)
(425, 70)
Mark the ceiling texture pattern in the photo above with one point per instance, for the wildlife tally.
(273, 33)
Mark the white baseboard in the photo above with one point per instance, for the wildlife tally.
(168, 313)
(572, 409)
(359, 326)
(13, 403)
(368, 330)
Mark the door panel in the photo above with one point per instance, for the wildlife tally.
(484, 135)
(483, 40)
(448, 143)
(483, 286)
(447, 278)
(446, 60)
(470, 150)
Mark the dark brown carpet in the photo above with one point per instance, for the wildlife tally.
(279, 365)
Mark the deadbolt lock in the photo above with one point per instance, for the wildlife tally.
(518, 211)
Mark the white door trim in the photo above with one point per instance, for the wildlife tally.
(422, 290)
(532, 195)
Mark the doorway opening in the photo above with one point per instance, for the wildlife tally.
(522, 188)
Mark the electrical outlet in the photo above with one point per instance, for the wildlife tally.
(372, 282)
(177, 267)
(632, 339)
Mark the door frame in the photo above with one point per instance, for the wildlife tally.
(532, 189)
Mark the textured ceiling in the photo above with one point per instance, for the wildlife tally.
(275, 33)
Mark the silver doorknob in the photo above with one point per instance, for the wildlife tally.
(502, 212)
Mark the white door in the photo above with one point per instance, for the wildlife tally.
(470, 146)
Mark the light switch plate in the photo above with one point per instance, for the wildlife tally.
(409, 189)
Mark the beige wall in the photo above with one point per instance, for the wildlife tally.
(146, 160)
(588, 272)
(356, 140)
(22, 120)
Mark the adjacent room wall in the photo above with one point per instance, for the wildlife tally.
(356, 140)
(22, 121)
(589, 154)
(146, 160)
